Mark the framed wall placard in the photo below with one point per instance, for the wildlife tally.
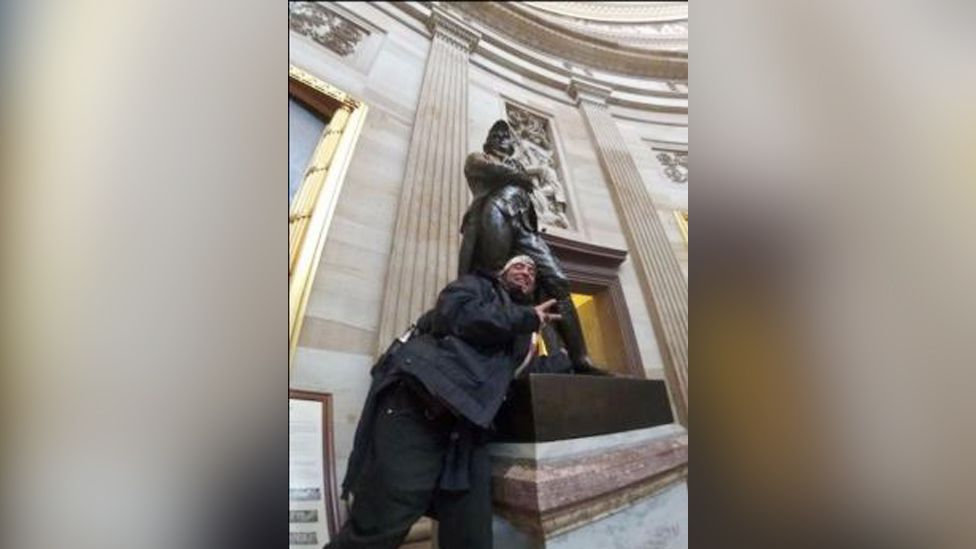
(312, 498)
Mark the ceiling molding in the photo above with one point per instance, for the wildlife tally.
(650, 36)
(509, 59)
(617, 12)
(576, 47)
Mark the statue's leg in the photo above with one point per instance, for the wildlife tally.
(469, 243)
(571, 331)
(495, 239)
(554, 284)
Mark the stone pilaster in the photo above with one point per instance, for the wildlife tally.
(434, 195)
(664, 285)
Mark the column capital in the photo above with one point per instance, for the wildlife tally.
(452, 28)
(585, 90)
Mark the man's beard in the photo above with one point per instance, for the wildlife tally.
(518, 294)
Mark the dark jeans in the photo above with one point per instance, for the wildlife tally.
(400, 482)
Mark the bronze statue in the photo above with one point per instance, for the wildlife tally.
(501, 222)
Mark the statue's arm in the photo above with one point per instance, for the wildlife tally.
(480, 319)
(495, 174)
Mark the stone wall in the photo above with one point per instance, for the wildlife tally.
(339, 336)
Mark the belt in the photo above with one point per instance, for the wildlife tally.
(409, 391)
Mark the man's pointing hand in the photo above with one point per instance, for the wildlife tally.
(546, 317)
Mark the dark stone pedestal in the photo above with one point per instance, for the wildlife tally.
(547, 407)
(584, 461)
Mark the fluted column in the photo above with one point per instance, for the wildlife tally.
(434, 195)
(665, 287)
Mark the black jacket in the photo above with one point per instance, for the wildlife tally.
(465, 353)
(476, 336)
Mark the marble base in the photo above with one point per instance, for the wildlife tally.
(657, 522)
(551, 493)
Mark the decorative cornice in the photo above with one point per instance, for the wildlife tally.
(496, 51)
(579, 251)
(453, 29)
(322, 87)
(617, 12)
(528, 29)
(647, 35)
(583, 90)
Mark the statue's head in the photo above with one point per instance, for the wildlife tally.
(501, 139)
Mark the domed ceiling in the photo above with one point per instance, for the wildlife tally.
(643, 25)
(647, 39)
(621, 12)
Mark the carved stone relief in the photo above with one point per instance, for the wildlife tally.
(537, 149)
(325, 27)
(675, 164)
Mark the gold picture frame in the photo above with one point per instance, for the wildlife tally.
(311, 210)
(682, 217)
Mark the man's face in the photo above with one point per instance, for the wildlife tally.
(520, 276)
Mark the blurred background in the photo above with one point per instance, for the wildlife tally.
(144, 342)
(831, 308)
(144, 311)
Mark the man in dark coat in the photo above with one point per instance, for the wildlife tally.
(501, 222)
(420, 444)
